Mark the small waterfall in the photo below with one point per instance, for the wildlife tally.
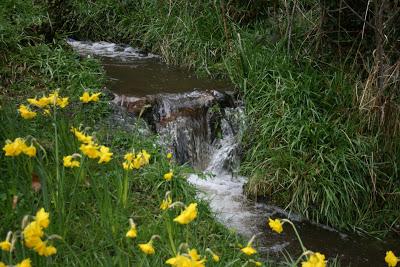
(190, 123)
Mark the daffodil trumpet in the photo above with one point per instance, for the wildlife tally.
(248, 249)
(6, 245)
(132, 233)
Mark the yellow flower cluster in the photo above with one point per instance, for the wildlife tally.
(86, 97)
(91, 149)
(51, 99)
(18, 146)
(136, 162)
(33, 234)
(192, 259)
(43, 103)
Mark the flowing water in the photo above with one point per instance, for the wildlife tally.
(203, 122)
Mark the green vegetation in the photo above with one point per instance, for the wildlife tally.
(307, 146)
(315, 150)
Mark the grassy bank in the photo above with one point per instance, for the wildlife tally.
(307, 147)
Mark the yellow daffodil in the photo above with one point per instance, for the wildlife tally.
(95, 97)
(168, 176)
(90, 150)
(26, 113)
(127, 165)
(83, 138)
(215, 258)
(129, 156)
(249, 250)
(315, 260)
(166, 203)
(147, 248)
(30, 151)
(32, 234)
(192, 259)
(69, 162)
(5, 245)
(86, 98)
(104, 155)
(135, 162)
(14, 148)
(41, 103)
(143, 157)
(43, 250)
(17, 147)
(188, 215)
(194, 255)
(169, 155)
(53, 98)
(275, 225)
(2, 264)
(24, 263)
(179, 261)
(132, 233)
(62, 102)
(42, 218)
(391, 259)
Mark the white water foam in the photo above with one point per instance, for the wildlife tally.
(110, 50)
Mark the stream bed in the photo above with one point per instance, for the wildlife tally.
(203, 120)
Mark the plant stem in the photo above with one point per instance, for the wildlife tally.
(297, 234)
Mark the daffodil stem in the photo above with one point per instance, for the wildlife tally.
(170, 237)
(58, 180)
(125, 190)
(305, 253)
(297, 234)
(187, 234)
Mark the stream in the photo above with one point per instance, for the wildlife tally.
(203, 120)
